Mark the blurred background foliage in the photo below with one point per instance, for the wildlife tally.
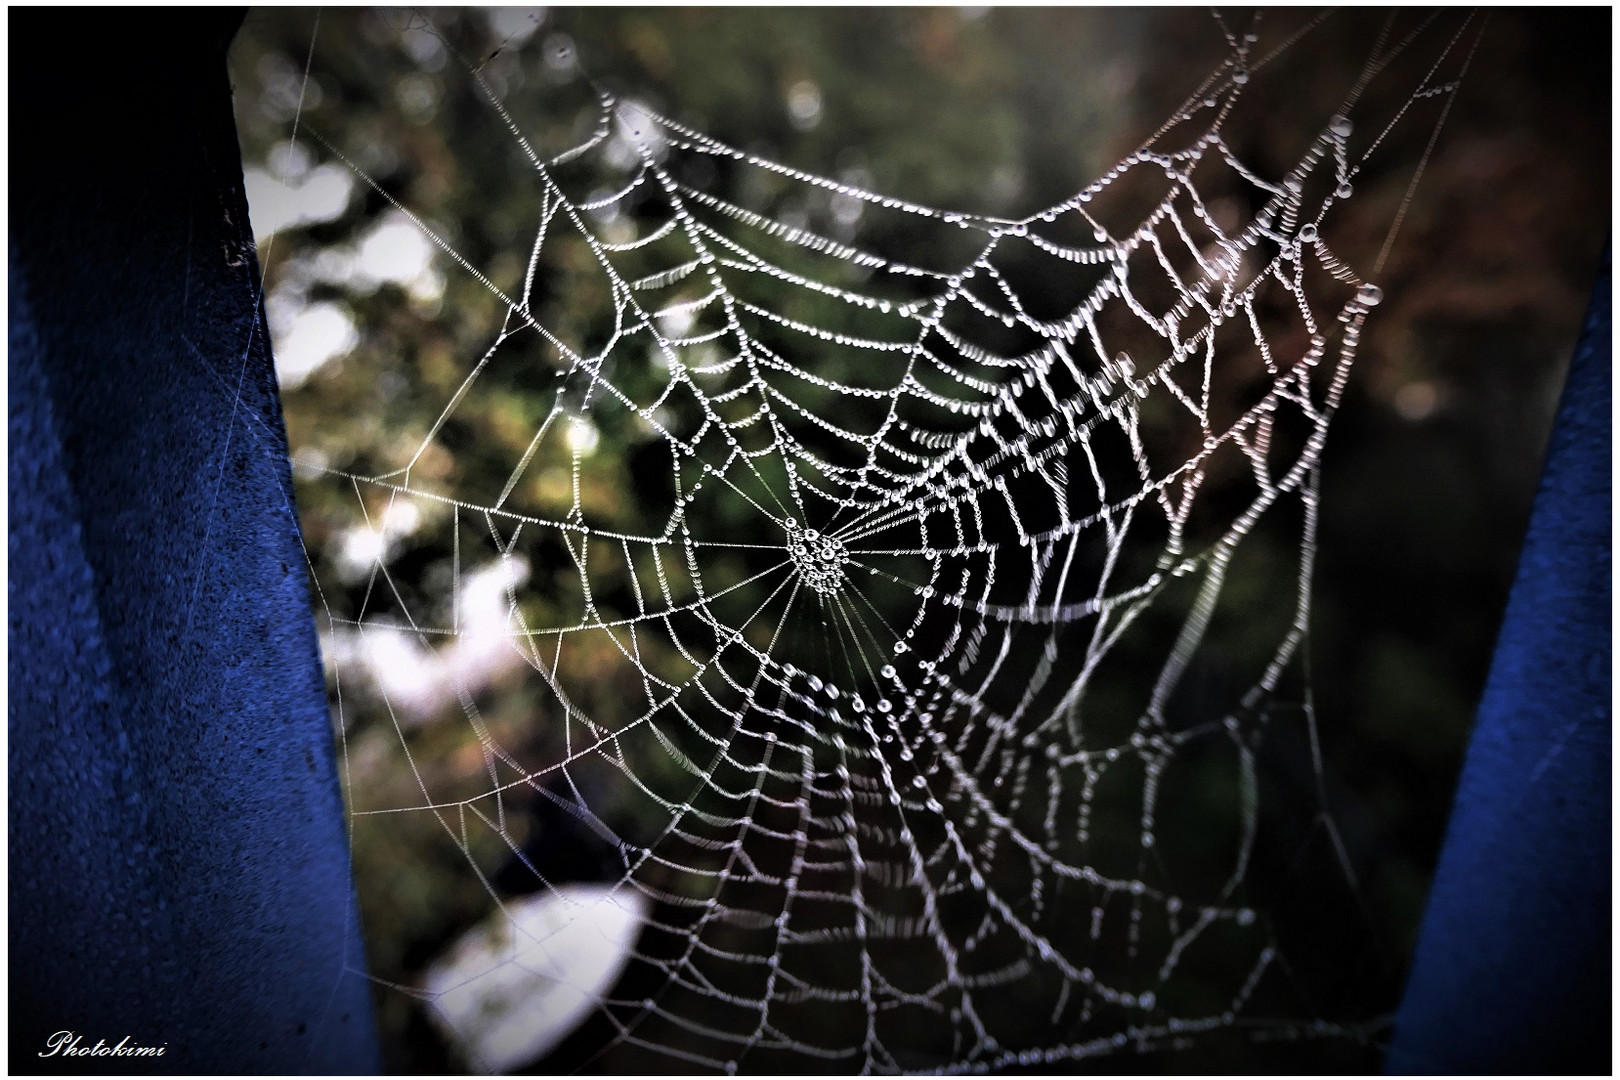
(1428, 476)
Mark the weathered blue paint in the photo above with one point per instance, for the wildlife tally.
(178, 867)
(1512, 972)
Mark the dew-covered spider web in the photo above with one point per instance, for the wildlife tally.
(892, 612)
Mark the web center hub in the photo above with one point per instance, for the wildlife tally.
(819, 559)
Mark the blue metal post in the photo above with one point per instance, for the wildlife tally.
(179, 874)
(1512, 972)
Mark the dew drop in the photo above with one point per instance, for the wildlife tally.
(1344, 191)
(1370, 295)
(1341, 126)
(1307, 233)
(1240, 77)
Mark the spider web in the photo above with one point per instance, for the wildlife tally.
(893, 682)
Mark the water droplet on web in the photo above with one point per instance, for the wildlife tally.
(1344, 191)
(1369, 295)
(918, 781)
(1245, 917)
(1307, 233)
(1240, 77)
(1341, 126)
(888, 671)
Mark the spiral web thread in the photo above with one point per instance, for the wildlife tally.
(914, 634)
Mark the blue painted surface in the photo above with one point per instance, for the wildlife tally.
(178, 867)
(1513, 967)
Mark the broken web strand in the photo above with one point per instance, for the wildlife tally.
(956, 477)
